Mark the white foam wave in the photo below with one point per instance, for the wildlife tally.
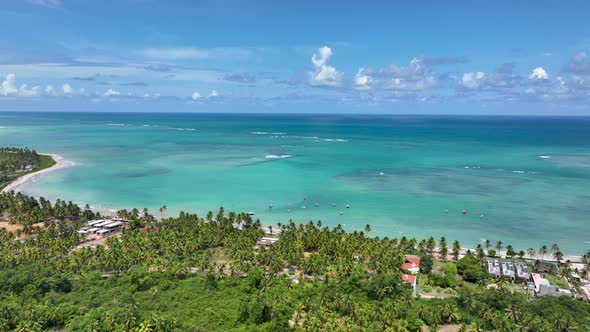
(335, 140)
(274, 156)
(266, 133)
(544, 157)
(519, 172)
(116, 124)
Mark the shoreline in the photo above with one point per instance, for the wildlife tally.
(60, 163)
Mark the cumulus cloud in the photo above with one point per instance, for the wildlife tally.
(362, 81)
(67, 89)
(111, 93)
(8, 86)
(473, 80)
(213, 94)
(579, 64)
(195, 95)
(417, 76)
(26, 92)
(324, 74)
(539, 74)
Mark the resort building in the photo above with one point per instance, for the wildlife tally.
(494, 267)
(412, 264)
(508, 269)
(267, 241)
(102, 227)
(522, 271)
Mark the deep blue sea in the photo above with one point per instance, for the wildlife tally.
(524, 181)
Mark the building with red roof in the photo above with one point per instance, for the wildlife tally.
(410, 279)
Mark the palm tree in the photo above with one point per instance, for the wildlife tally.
(543, 251)
(513, 314)
(456, 250)
(162, 210)
(443, 249)
(531, 252)
(430, 244)
(367, 228)
(499, 247)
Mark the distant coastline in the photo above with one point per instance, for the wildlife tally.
(60, 162)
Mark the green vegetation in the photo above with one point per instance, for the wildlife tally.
(16, 162)
(166, 275)
(193, 273)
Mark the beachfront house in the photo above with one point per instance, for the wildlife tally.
(543, 287)
(410, 279)
(508, 269)
(522, 271)
(412, 264)
(493, 267)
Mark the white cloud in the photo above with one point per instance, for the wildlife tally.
(323, 74)
(111, 93)
(183, 53)
(175, 53)
(46, 3)
(417, 76)
(26, 92)
(50, 91)
(473, 80)
(195, 95)
(213, 94)
(67, 89)
(362, 81)
(8, 86)
(530, 91)
(539, 74)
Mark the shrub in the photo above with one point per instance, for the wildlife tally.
(425, 264)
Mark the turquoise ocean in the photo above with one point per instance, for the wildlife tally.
(522, 180)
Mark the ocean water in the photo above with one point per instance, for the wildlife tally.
(524, 181)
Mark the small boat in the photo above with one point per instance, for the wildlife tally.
(334, 204)
(316, 204)
(464, 212)
(250, 213)
(446, 211)
(303, 206)
(348, 206)
(270, 206)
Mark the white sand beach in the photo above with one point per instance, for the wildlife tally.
(60, 162)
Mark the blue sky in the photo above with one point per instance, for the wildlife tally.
(437, 57)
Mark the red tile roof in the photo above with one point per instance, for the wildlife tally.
(413, 259)
(410, 278)
(408, 266)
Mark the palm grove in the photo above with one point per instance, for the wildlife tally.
(205, 273)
